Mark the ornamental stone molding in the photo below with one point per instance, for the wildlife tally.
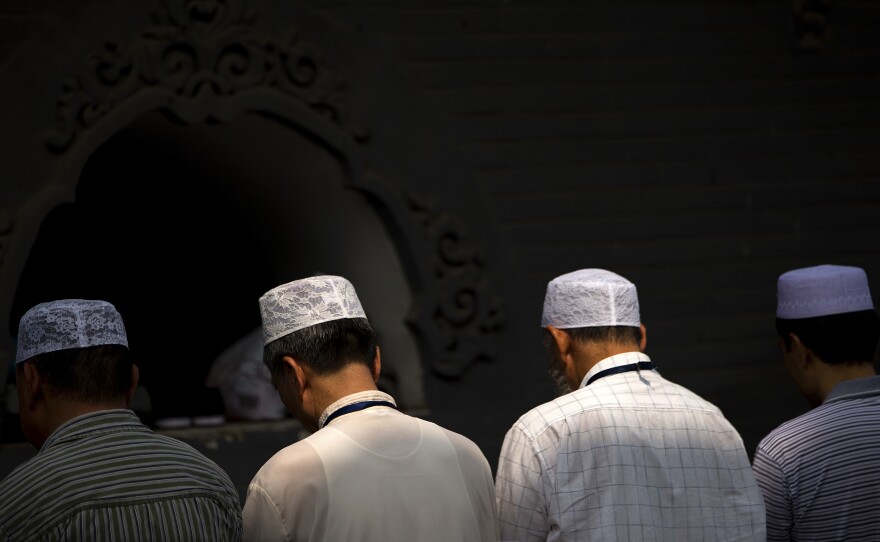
(196, 56)
(811, 22)
(204, 61)
(464, 308)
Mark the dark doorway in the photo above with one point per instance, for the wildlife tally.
(149, 232)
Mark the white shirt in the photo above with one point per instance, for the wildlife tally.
(632, 456)
(373, 475)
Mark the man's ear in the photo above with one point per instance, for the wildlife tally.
(784, 343)
(377, 366)
(297, 373)
(31, 384)
(562, 340)
(644, 341)
(132, 386)
(804, 357)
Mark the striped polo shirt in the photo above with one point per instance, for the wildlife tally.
(106, 476)
(820, 472)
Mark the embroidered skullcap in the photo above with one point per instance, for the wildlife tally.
(66, 324)
(590, 298)
(822, 290)
(306, 302)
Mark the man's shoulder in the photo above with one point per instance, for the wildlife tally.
(137, 451)
(589, 403)
(689, 399)
(824, 421)
(296, 455)
(539, 418)
(797, 437)
(18, 480)
(175, 450)
(459, 441)
(173, 444)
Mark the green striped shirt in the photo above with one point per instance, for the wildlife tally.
(106, 476)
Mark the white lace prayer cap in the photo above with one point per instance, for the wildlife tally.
(66, 324)
(306, 302)
(822, 290)
(590, 298)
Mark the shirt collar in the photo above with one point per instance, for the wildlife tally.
(627, 358)
(369, 395)
(100, 420)
(848, 389)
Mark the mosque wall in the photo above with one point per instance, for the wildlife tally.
(698, 148)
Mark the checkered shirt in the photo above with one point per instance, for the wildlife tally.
(632, 456)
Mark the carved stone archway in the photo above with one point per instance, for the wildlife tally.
(209, 62)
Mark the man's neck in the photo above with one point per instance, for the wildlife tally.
(834, 374)
(592, 352)
(353, 378)
(59, 411)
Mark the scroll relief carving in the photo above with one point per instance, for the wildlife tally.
(465, 309)
(197, 54)
(196, 58)
(811, 21)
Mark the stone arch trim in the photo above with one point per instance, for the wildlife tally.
(194, 60)
(207, 62)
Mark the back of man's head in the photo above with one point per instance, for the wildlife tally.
(830, 309)
(318, 321)
(92, 374)
(593, 305)
(79, 348)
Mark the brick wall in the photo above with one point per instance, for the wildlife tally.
(698, 148)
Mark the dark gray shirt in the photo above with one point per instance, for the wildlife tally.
(106, 476)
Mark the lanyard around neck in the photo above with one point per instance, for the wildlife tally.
(354, 407)
(642, 365)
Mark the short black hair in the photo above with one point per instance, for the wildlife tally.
(836, 338)
(615, 334)
(326, 347)
(91, 374)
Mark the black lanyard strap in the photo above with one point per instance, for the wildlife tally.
(642, 365)
(354, 407)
